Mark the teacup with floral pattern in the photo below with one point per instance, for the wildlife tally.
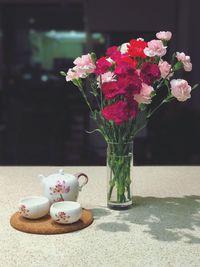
(34, 207)
(66, 212)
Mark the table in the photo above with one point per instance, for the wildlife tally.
(162, 229)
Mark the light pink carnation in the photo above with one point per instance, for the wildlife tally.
(124, 48)
(182, 57)
(145, 94)
(166, 36)
(106, 77)
(165, 69)
(71, 75)
(180, 89)
(155, 48)
(84, 65)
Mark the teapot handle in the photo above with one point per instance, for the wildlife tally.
(78, 175)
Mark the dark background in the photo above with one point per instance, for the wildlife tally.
(43, 119)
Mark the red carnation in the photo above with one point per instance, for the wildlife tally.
(130, 61)
(136, 48)
(102, 65)
(149, 73)
(111, 90)
(120, 112)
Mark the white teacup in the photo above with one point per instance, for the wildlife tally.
(66, 212)
(34, 207)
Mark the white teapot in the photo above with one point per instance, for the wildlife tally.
(62, 187)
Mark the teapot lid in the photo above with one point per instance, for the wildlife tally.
(62, 174)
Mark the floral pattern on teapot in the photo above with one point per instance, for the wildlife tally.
(60, 187)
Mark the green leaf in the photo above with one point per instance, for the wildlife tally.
(195, 86)
(62, 73)
(166, 82)
(94, 57)
(164, 42)
(177, 66)
(142, 106)
(76, 82)
(153, 93)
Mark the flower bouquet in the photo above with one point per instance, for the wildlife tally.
(122, 97)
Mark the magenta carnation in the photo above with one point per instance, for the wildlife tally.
(120, 112)
(114, 53)
(102, 65)
(112, 89)
(150, 73)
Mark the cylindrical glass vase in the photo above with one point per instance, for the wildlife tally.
(119, 175)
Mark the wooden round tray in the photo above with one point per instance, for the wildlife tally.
(47, 226)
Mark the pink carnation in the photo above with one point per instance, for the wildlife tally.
(180, 89)
(155, 48)
(145, 94)
(105, 78)
(84, 65)
(165, 69)
(182, 57)
(72, 75)
(166, 36)
(124, 48)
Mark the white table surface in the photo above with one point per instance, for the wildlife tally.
(162, 229)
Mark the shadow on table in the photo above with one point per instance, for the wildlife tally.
(167, 219)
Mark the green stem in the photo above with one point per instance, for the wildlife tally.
(85, 98)
(120, 168)
(154, 110)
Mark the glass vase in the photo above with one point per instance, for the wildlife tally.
(119, 175)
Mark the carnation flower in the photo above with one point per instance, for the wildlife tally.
(102, 65)
(149, 73)
(165, 69)
(105, 78)
(109, 59)
(128, 60)
(155, 48)
(124, 68)
(111, 90)
(126, 85)
(140, 39)
(84, 65)
(124, 48)
(120, 111)
(112, 50)
(114, 53)
(145, 94)
(180, 89)
(165, 36)
(136, 48)
(72, 75)
(182, 57)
